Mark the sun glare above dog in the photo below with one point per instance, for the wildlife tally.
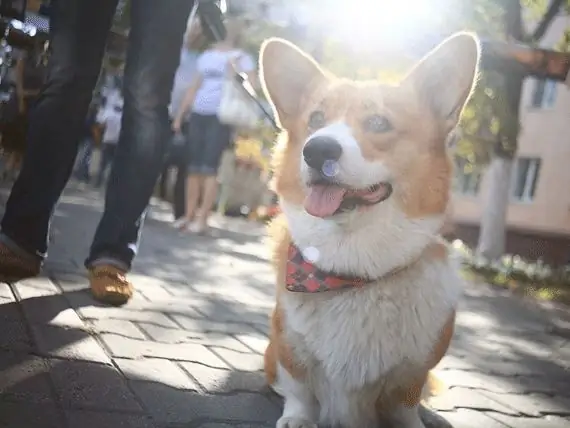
(369, 23)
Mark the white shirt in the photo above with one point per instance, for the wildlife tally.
(212, 66)
(183, 78)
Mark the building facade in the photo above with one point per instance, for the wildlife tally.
(538, 216)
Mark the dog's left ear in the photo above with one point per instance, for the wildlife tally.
(444, 78)
(288, 76)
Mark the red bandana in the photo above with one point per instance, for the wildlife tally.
(305, 277)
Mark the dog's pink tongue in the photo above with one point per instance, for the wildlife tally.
(323, 201)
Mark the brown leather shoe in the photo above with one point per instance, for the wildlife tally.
(109, 285)
(14, 267)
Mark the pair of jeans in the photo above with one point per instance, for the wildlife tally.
(79, 31)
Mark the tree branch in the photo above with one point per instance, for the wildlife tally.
(553, 10)
(518, 58)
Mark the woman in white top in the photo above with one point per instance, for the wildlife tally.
(207, 137)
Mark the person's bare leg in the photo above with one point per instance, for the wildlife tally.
(210, 189)
(193, 190)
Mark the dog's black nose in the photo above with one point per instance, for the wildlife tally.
(319, 150)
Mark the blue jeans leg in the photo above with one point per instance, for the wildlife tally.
(153, 54)
(79, 32)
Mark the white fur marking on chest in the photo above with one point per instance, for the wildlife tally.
(359, 336)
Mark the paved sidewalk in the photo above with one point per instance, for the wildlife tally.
(187, 351)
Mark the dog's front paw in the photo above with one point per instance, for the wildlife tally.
(292, 422)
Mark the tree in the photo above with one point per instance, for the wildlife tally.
(504, 105)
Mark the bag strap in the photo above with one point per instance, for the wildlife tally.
(245, 85)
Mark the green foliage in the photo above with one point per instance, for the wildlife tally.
(489, 125)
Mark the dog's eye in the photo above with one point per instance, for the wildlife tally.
(316, 119)
(377, 124)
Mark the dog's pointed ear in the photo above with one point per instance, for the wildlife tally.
(288, 76)
(445, 77)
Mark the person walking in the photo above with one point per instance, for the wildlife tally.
(110, 118)
(79, 31)
(207, 136)
(177, 159)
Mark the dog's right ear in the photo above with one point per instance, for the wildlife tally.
(288, 76)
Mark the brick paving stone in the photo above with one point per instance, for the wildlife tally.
(52, 309)
(175, 406)
(220, 425)
(69, 343)
(126, 313)
(466, 418)
(117, 327)
(123, 347)
(232, 313)
(451, 362)
(170, 335)
(533, 404)
(240, 360)
(6, 293)
(91, 386)
(70, 282)
(26, 415)
(91, 419)
(224, 381)
(207, 326)
(24, 377)
(35, 287)
(462, 398)
(257, 342)
(510, 367)
(14, 336)
(8, 308)
(156, 370)
(524, 422)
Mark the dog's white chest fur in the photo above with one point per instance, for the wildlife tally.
(361, 343)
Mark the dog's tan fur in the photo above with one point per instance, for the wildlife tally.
(355, 357)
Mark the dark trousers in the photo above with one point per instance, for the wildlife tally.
(79, 32)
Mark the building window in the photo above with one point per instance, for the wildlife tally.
(544, 93)
(525, 178)
(467, 183)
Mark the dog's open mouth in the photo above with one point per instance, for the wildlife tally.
(324, 200)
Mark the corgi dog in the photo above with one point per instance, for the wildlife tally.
(366, 290)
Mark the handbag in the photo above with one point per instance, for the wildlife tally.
(236, 107)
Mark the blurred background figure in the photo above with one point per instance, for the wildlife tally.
(177, 157)
(109, 117)
(83, 168)
(207, 137)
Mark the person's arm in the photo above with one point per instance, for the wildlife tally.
(187, 101)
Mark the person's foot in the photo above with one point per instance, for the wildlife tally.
(14, 267)
(110, 285)
(199, 227)
(181, 223)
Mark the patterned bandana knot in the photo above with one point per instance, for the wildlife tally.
(304, 277)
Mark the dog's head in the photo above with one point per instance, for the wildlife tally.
(355, 152)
